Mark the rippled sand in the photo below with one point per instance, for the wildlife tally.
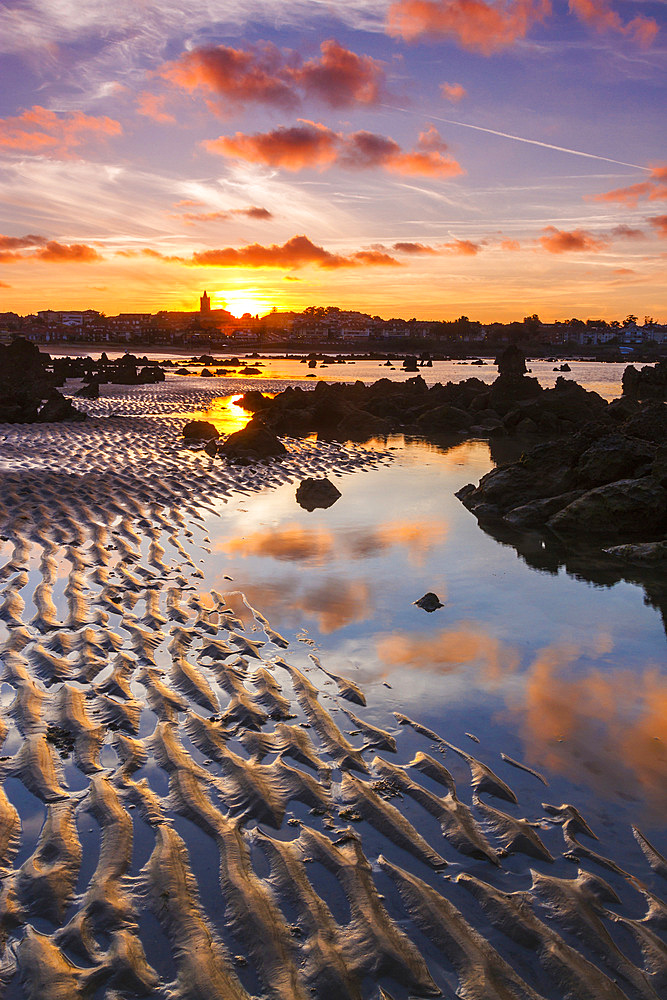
(186, 813)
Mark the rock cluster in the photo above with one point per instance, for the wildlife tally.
(649, 382)
(606, 483)
(513, 404)
(28, 390)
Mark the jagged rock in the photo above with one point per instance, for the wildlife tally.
(90, 391)
(200, 430)
(614, 457)
(511, 361)
(253, 442)
(313, 493)
(648, 383)
(57, 408)
(626, 507)
(429, 602)
(253, 400)
(410, 363)
(211, 447)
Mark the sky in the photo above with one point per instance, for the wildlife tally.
(405, 158)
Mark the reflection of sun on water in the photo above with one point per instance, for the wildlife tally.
(225, 414)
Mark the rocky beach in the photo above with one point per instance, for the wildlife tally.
(243, 757)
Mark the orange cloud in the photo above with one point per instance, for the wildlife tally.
(241, 77)
(340, 78)
(453, 92)
(508, 244)
(305, 145)
(466, 248)
(252, 212)
(266, 75)
(290, 543)
(628, 233)
(333, 604)
(59, 253)
(600, 16)
(52, 133)
(561, 241)
(43, 249)
(296, 252)
(21, 242)
(413, 248)
(608, 728)
(447, 650)
(653, 189)
(313, 145)
(153, 106)
(659, 223)
(474, 24)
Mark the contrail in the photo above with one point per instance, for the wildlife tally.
(520, 138)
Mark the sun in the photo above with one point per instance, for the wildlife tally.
(242, 302)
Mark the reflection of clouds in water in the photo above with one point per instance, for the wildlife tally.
(445, 651)
(289, 543)
(608, 729)
(316, 546)
(333, 604)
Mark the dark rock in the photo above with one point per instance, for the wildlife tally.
(200, 430)
(253, 442)
(659, 468)
(57, 408)
(410, 363)
(90, 391)
(511, 361)
(625, 508)
(211, 447)
(250, 370)
(313, 493)
(648, 383)
(536, 513)
(641, 553)
(205, 373)
(613, 457)
(359, 425)
(254, 400)
(429, 602)
(649, 422)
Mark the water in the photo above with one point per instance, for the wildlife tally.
(277, 372)
(564, 674)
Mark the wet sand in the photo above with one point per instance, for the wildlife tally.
(189, 810)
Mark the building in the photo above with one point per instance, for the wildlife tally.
(204, 304)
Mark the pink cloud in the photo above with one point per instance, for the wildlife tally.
(340, 77)
(311, 145)
(599, 15)
(473, 24)
(263, 74)
(453, 92)
(659, 223)
(578, 240)
(652, 189)
(154, 106)
(52, 133)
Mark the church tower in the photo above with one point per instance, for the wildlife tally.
(204, 304)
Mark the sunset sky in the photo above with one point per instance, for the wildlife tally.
(425, 158)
